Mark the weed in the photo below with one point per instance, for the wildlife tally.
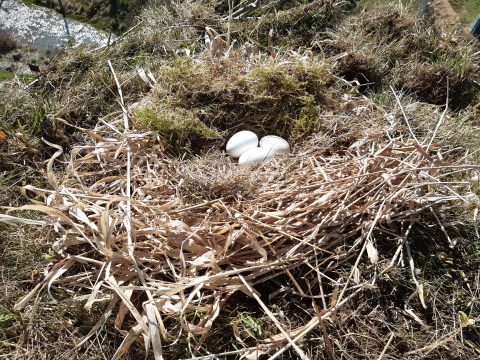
(6, 319)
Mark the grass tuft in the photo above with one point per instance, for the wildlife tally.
(7, 42)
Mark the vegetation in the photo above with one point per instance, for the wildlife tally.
(109, 15)
(394, 49)
(469, 8)
(381, 112)
(7, 43)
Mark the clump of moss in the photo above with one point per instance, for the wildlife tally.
(268, 99)
(180, 127)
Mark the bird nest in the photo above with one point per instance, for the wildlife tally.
(157, 241)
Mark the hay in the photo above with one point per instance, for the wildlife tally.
(188, 255)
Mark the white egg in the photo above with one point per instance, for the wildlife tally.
(254, 156)
(275, 145)
(240, 142)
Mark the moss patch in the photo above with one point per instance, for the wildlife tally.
(269, 99)
(181, 128)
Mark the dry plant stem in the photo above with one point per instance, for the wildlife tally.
(313, 323)
(450, 242)
(152, 313)
(441, 342)
(403, 239)
(226, 353)
(437, 127)
(103, 319)
(414, 278)
(352, 272)
(128, 218)
(384, 351)
(405, 116)
(309, 212)
(274, 319)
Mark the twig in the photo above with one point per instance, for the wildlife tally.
(392, 335)
(414, 278)
(299, 351)
(314, 323)
(404, 115)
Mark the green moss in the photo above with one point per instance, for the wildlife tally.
(269, 99)
(307, 122)
(180, 127)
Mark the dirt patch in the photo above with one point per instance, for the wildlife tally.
(435, 85)
(445, 15)
(357, 67)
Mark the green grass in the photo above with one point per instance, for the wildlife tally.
(467, 9)
(8, 75)
(470, 9)
(5, 75)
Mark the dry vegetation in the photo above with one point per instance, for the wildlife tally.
(7, 43)
(362, 243)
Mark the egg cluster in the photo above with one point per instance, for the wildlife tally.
(245, 146)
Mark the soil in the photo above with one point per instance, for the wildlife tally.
(446, 16)
(356, 67)
(445, 12)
